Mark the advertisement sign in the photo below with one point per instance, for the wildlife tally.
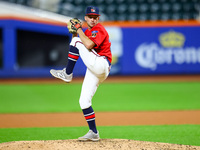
(162, 50)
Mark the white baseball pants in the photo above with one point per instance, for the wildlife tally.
(97, 71)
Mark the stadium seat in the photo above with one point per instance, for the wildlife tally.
(130, 9)
(143, 17)
(165, 7)
(143, 7)
(176, 7)
(132, 17)
(122, 17)
(155, 7)
(165, 16)
(154, 16)
(121, 9)
(111, 9)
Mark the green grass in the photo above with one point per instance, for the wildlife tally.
(29, 98)
(109, 97)
(178, 134)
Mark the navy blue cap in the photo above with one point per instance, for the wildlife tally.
(92, 10)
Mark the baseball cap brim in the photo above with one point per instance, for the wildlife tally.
(93, 14)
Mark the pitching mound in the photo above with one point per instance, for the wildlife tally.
(103, 144)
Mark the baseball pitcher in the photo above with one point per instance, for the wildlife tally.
(93, 47)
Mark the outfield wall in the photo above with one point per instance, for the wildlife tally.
(30, 48)
(161, 50)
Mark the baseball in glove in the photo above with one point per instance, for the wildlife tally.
(73, 25)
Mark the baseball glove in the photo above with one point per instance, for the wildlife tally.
(73, 25)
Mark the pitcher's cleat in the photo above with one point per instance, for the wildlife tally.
(90, 136)
(61, 74)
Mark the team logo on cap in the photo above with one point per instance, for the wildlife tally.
(92, 10)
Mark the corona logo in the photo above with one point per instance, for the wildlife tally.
(172, 39)
(151, 55)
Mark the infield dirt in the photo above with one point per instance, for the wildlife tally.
(104, 144)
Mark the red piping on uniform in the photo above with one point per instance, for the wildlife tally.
(96, 54)
(77, 42)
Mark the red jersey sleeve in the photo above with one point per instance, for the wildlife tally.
(97, 35)
(100, 37)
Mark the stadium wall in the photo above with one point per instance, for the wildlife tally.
(139, 48)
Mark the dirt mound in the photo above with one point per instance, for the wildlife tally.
(103, 144)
